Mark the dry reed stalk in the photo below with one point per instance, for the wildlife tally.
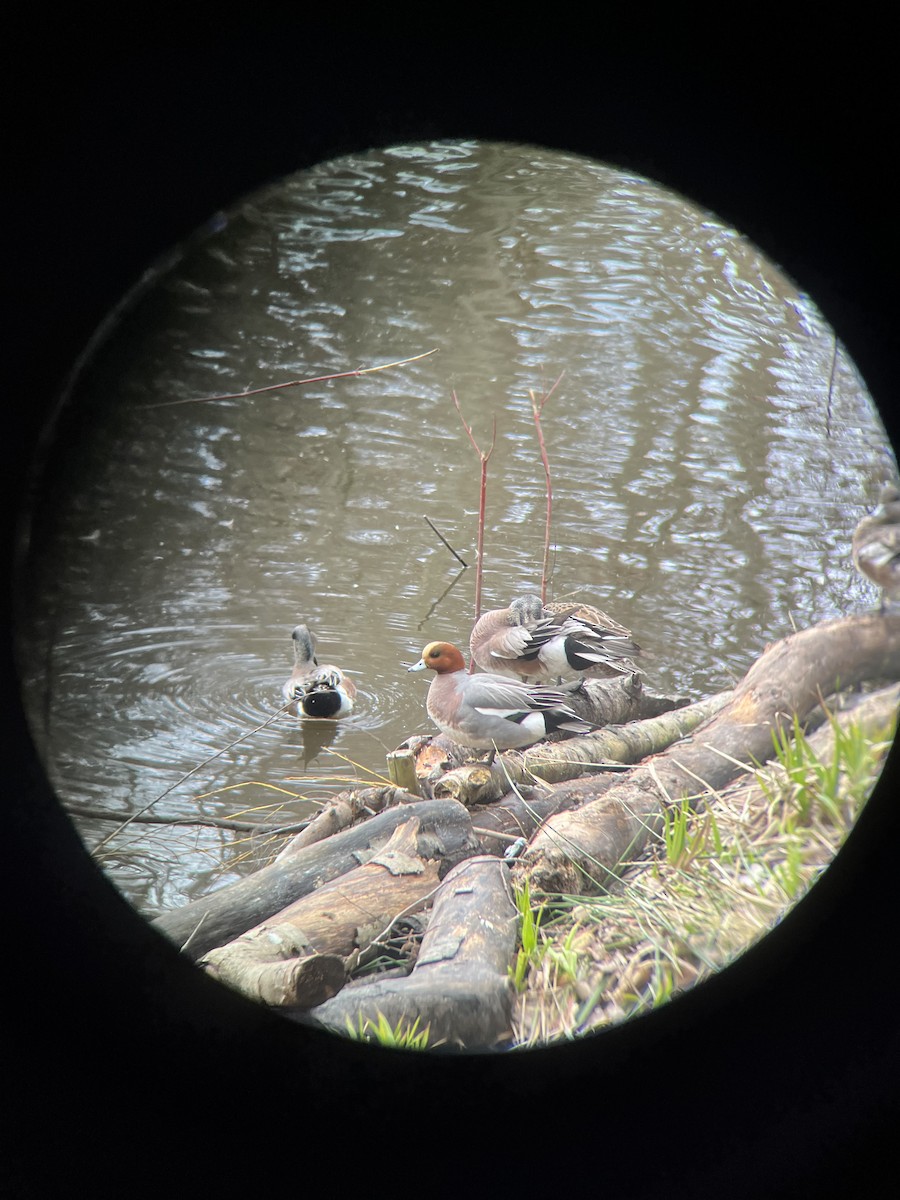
(536, 410)
(277, 387)
(485, 458)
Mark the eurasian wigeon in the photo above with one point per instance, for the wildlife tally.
(491, 712)
(876, 545)
(531, 640)
(315, 691)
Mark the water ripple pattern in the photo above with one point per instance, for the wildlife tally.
(712, 448)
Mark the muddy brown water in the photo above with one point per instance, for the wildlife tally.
(711, 445)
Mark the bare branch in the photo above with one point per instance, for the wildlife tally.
(485, 459)
(536, 411)
(458, 557)
(277, 387)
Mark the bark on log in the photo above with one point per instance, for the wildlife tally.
(556, 762)
(401, 764)
(580, 851)
(602, 701)
(517, 816)
(345, 809)
(460, 986)
(297, 958)
(875, 714)
(445, 833)
(621, 699)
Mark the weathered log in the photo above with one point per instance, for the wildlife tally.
(346, 809)
(556, 762)
(516, 816)
(445, 833)
(621, 699)
(297, 958)
(875, 714)
(579, 851)
(459, 988)
(401, 765)
(602, 701)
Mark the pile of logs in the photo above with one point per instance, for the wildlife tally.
(421, 877)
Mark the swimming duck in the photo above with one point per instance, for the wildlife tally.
(315, 691)
(531, 640)
(876, 545)
(488, 711)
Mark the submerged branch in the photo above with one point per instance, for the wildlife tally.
(230, 823)
(435, 529)
(278, 387)
(135, 817)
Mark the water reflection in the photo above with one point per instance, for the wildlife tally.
(712, 450)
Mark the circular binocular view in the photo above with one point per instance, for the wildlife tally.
(459, 605)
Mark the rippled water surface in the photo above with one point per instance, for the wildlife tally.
(711, 446)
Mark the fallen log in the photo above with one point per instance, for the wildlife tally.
(557, 762)
(874, 714)
(459, 988)
(445, 832)
(345, 809)
(298, 958)
(581, 851)
(516, 817)
(620, 700)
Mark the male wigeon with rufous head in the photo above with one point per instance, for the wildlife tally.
(488, 711)
(531, 640)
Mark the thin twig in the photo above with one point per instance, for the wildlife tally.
(834, 358)
(551, 389)
(453, 582)
(485, 458)
(495, 833)
(536, 410)
(276, 387)
(193, 771)
(458, 557)
(408, 911)
(97, 814)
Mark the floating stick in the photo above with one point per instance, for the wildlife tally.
(446, 543)
(275, 387)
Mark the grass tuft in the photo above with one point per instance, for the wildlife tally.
(712, 884)
(401, 1036)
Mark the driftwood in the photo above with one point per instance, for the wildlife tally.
(580, 851)
(556, 762)
(292, 933)
(459, 988)
(602, 701)
(874, 713)
(619, 700)
(346, 809)
(516, 817)
(298, 957)
(445, 832)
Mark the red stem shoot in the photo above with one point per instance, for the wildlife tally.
(482, 506)
(537, 409)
